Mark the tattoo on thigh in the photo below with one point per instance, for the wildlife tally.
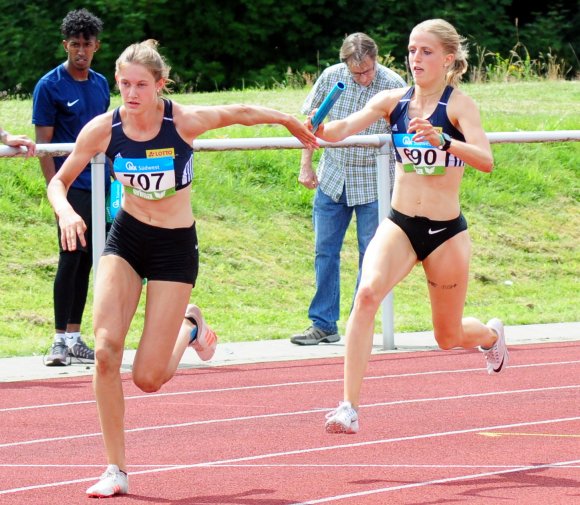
(442, 286)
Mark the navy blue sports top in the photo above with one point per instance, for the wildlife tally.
(399, 118)
(156, 168)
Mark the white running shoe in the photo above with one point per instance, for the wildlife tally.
(112, 482)
(205, 342)
(343, 419)
(497, 356)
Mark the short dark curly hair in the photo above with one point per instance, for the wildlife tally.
(81, 22)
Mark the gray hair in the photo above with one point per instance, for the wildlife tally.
(356, 47)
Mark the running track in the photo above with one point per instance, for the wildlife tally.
(435, 428)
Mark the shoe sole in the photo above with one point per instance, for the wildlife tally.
(331, 339)
(82, 361)
(339, 429)
(504, 363)
(56, 362)
(501, 335)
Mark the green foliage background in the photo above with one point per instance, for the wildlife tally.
(255, 231)
(233, 44)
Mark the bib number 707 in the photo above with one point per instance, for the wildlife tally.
(144, 180)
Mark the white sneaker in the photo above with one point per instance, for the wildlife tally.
(112, 482)
(205, 342)
(497, 356)
(343, 419)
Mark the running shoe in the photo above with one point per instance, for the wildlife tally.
(82, 352)
(58, 354)
(112, 482)
(314, 336)
(205, 340)
(343, 419)
(497, 356)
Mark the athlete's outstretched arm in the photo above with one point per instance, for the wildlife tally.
(193, 121)
(378, 107)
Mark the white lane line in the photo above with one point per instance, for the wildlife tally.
(286, 414)
(331, 448)
(281, 385)
(438, 481)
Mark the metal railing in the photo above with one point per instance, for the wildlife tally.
(381, 142)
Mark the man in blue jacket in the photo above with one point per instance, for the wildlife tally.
(64, 100)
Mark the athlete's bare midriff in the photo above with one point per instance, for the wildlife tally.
(171, 212)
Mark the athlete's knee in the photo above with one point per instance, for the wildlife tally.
(107, 360)
(148, 381)
(447, 338)
(367, 299)
(108, 354)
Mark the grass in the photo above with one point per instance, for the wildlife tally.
(256, 242)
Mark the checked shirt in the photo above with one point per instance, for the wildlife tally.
(351, 168)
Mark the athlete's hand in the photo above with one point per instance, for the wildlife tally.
(302, 133)
(72, 228)
(308, 124)
(424, 131)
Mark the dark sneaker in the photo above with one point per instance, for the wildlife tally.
(314, 335)
(58, 354)
(82, 352)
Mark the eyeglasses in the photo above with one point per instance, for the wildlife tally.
(361, 74)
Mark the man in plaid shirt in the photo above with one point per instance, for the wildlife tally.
(346, 179)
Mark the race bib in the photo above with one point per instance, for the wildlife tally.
(420, 157)
(152, 179)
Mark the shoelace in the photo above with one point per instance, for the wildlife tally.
(82, 352)
(55, 347)
(342, 409)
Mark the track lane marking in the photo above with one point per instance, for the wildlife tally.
(280, 385)
(508, 434)
(437, 481)
(341, 446)
(285, 414)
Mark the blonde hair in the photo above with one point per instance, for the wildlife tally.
(145, 53)
(452, 43)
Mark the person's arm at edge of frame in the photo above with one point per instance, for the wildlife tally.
(18, 141)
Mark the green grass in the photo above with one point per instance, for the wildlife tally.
(256, 242)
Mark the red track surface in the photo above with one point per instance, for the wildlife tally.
(435, 428)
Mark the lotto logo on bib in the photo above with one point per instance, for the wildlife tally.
(160, 153)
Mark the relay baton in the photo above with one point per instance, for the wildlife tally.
(325, 107)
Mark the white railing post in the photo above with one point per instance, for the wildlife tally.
(98, 207)
(384, 184)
